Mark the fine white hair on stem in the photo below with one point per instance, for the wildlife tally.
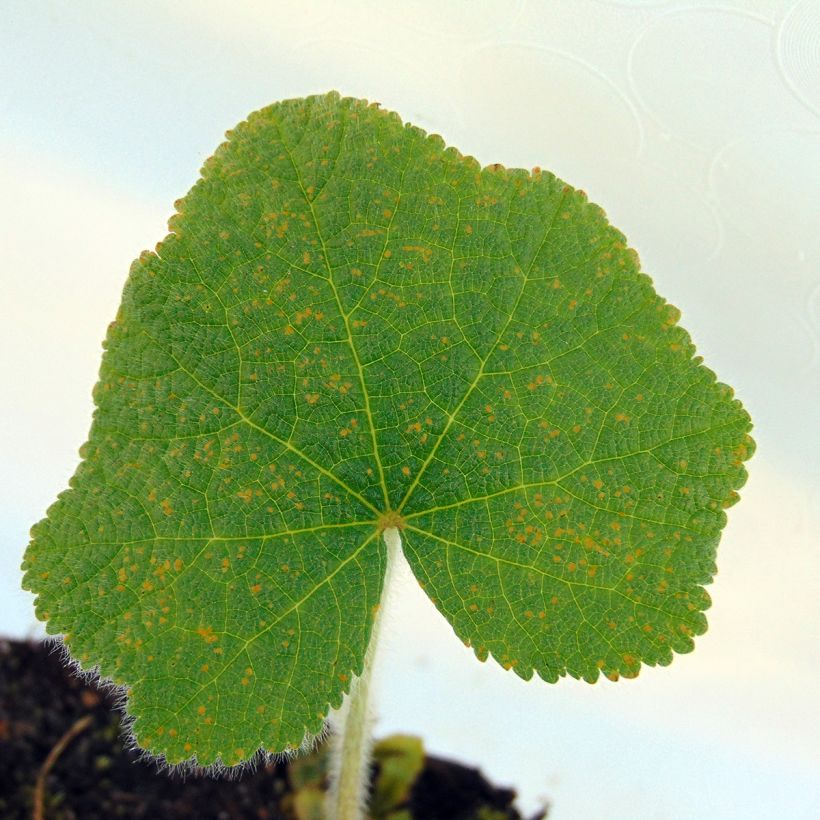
(352, 739)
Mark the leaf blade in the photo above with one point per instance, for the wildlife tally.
(349, 327)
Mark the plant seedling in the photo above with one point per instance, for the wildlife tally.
(356, 341)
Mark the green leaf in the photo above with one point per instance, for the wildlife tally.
(352, 327)
(400, 761)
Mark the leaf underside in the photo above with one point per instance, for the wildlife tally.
(351, 325)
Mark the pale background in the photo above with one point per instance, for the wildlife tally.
(697, 127)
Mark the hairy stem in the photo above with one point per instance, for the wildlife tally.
(352, 724)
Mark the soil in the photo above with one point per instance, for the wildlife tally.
(64, 731)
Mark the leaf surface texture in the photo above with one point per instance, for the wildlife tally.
(352, 326)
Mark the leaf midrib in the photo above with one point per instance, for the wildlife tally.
(480, 372)
(251, 423)
(344, 315)
(532, 568)
(292, 608)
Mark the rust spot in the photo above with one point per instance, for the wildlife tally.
(207, 634)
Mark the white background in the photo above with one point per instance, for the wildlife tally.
(695, 125)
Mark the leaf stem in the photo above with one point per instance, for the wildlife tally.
(60, 746)
(352, 724)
